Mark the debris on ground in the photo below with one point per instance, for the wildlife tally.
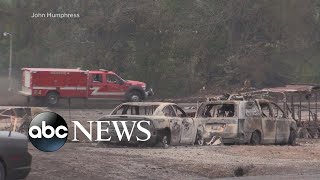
(215, 141)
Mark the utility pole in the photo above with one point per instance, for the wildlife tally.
(10, 60)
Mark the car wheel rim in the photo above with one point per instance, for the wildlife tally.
(52, 99)
(165, 140)
(135, 98)
(256, 139)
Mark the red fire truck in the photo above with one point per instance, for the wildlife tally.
(51, 84)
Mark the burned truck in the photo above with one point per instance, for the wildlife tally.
(169, 123)
(246, 122)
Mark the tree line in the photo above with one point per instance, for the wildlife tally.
(176, 46)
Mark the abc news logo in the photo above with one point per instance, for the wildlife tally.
(48, 131)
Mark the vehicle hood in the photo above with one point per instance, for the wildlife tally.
(127, 118)
(156, 121)
(135, 83)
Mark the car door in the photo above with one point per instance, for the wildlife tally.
(282, 124)
(116, 87)
(188, 129)
(97, 86)
(268, 123)
(253, 118)
(174, 123)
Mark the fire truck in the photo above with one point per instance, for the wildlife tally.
(51, 84)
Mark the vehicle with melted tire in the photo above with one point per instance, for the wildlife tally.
(169, 123)
(253, 122)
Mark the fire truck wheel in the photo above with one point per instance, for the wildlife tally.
(52, 98)
(135, 96)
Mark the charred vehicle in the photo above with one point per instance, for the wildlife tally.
(15, 160)
(17, 118)
(246, 122)
(169, 124)
(300, 101)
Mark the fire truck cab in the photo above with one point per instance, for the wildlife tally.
(51, 84)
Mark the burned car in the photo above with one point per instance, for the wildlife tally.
(15, 160)
(18, 118)
(246, 122)
(169, 124)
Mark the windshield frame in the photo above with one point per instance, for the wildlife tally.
(128, 107)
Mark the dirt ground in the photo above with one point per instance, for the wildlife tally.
(88, 161)
(85, 161)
